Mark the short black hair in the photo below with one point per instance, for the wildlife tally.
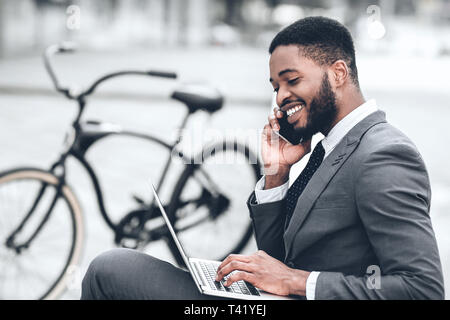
(321, 39)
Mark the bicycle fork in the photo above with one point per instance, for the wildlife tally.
(10, 241)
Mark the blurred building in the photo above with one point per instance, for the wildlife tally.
(30, 25)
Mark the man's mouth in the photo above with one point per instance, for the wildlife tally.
(291, 111)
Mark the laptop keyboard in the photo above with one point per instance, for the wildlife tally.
(240, 287)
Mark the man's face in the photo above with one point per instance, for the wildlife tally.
(303, 90)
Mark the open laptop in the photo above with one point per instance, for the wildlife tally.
(203, 272)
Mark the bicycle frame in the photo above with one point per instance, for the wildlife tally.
(90, 133)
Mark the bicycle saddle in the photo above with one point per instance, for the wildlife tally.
(199, 97)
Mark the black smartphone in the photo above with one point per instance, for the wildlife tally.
(287, 131)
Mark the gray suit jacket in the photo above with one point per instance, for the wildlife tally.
(367, 205)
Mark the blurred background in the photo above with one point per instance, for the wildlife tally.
(403, 59)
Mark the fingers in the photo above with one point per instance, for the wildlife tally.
(234, 257)
(241, 275)
(277, 112)
(233, 266)
(273, 125)
(246, 264)
(229, 263)
(269, 138)
(267, 130)
(267, 134)
(273, 122)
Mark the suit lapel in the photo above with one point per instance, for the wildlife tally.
(330, 166)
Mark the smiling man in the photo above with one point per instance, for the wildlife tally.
(362, 202)
(355, 224)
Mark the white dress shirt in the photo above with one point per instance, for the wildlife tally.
(329, 143)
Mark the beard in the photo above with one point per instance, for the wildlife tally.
(322, 111)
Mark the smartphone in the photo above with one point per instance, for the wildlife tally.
(287, 131)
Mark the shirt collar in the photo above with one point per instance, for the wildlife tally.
(346, 124)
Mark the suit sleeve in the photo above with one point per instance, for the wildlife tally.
(392, 193)
(268, 223)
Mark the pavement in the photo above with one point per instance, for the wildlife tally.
(34, 119)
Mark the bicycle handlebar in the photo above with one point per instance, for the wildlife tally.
(49, 52)
(66, 47)
(162, 74)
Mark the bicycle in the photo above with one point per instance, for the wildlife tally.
(40, 211)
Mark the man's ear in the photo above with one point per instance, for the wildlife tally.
(339, 73)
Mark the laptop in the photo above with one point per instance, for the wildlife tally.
(203, 272)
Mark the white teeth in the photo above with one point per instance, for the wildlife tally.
(293, 110)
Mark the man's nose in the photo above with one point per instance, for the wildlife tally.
(283, 96)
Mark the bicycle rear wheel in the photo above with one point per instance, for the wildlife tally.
(39, 268)
(208, 205)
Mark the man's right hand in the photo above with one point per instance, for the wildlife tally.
(278, 155)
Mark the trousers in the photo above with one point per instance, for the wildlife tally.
(126, 274)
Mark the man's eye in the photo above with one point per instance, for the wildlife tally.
(293, 81)
(275, 89)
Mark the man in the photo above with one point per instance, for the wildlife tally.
(354, 225)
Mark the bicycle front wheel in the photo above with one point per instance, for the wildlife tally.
(40, 235)
(208, 205)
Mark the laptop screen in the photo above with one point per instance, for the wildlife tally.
(172, 231)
